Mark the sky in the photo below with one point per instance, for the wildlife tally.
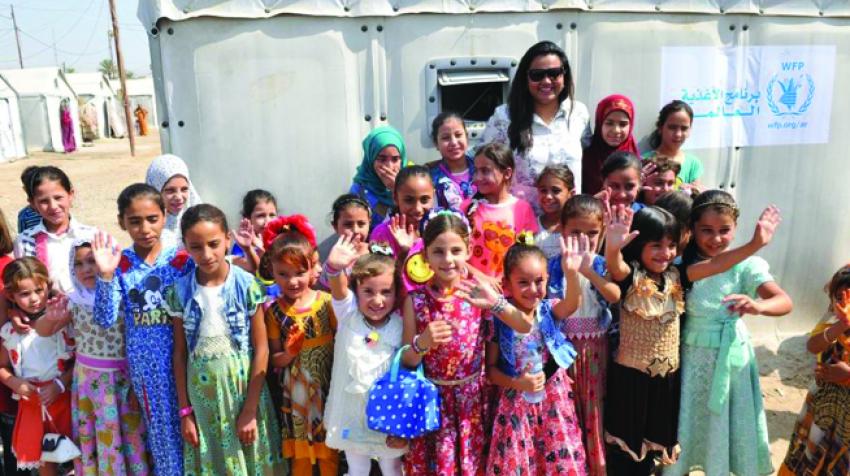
(79, 30)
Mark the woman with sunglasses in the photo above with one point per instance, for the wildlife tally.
(542, 122)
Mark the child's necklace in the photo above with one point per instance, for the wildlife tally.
(373, 337)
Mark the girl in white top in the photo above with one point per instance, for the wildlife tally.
(368, 335)
(542, 122)
(51, 194)
(37, 369)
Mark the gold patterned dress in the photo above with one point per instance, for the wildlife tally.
(642, 399)
(305, 383)
(820, 443)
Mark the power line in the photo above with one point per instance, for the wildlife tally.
(91, 36)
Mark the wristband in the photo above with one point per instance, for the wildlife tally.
(331, 271)
(59, 384)
(186, 411)
(499, 306)
(415, 345)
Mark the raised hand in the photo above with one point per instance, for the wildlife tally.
(605, 197)
(574, 252)
(478, 292)
(648, 172)
(766, 226)
(244, 236)
(618, 233)
(404, 233)
(106, 253)
(344, 253)
(57, 310)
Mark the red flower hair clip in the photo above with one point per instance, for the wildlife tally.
(285, 224)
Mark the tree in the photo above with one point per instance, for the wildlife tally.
(108, 68)
(130, 74)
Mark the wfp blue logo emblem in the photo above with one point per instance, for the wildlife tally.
(791, 91)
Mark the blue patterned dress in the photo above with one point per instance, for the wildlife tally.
(722, 425)
(139, 289)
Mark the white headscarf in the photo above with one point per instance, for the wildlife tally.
(160, 171)
(81, 295)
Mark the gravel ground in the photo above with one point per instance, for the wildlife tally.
(100, 172)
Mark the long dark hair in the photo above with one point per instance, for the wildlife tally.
(520, 102)
(654, 224)
(668, 109)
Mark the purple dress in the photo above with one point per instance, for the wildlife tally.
(68, 141)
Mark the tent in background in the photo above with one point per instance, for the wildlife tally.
(141, 92)
(95, 88)
(11, 130)
(40, 94)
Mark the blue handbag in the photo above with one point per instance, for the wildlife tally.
(403, 403)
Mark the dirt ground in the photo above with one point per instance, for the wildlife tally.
(100, 172)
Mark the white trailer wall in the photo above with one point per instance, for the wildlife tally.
(283, 102)
(11, 129)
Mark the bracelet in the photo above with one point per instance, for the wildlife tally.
(186, 411)
(499, 306)
(331, 271)
(59, 384)
(415, 345)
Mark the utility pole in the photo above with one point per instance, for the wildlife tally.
(55, 55)
(131, 132)
(17, 37)
(111, 56)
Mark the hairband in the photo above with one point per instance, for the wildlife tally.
(716, 204)
(354, 199)
(381, 248)
(285, 224)
(437, 211)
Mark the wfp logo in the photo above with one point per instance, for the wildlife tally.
(791, 91)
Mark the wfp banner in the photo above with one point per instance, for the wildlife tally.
(758, 95)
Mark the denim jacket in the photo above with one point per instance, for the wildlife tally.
(241, 294)
(560, 348)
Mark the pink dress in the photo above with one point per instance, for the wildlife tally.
(457, 369)
(494, 230)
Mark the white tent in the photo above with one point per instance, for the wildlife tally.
(96, 88)
(283, 93)
(142, 92)
(11, 130)
(40, 95)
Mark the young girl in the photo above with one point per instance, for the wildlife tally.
(37, 369)
(613, 132)
(349, 216)
(169, 175)
(536, 429)
(220, 358)
(722, 425)
(414, 197)
(452, 174)
(621, 179)
(819, 441)
(258, 208)
(661, 180)
(52, 196)
(497, 217)
(301, 325)
(134, 281)
(106, 415)
(444, 327)
(671, 131)
(384, 155)
(368, 336)
(587, 328)
(555, 186)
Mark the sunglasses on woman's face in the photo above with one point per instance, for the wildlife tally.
(537, 75)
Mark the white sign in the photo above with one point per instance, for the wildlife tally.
(759, 95)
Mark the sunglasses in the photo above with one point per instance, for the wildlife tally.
(537, 75)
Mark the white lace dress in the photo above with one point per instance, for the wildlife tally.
(357, 364)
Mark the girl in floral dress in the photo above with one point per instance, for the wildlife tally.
(443, 323)
(301, 326)
(536, 429)
(106, 416)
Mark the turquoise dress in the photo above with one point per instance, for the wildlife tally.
(722, 425)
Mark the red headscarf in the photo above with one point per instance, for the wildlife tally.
(599, 150)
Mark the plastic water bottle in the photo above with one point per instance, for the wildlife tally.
(533, 362)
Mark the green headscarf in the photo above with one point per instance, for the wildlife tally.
(374, 142)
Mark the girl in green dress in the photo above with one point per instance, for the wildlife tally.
(671, 131)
